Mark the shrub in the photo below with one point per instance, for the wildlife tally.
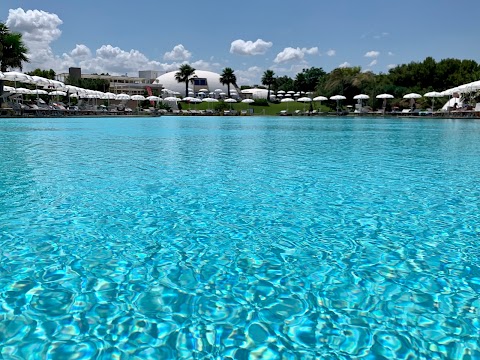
(260, 102)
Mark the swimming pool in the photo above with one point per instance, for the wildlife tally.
(214, 237)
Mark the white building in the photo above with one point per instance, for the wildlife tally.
(202, 81)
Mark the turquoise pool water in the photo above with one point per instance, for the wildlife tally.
(240, 238)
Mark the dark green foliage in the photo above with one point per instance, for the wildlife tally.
(92, 84)
(185, 74)
(260, 102)
(227, 78)
(47, 74)
(268, 79)
(13, 52)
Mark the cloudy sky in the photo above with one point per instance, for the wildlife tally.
(250, 36)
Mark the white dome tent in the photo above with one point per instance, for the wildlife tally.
(203, 80)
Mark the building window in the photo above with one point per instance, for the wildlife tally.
(200, 82)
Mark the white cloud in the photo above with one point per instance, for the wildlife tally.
(331, 52)
(35, 25)
(290, 53)
(112, 59)
(242, 47)
(391, 66)
(39, 29)
(372, 54)
(390, 53)
(80, 51)
(292, 70)
(179, 53)
(251, 76)
(205, 65)
(372, 63)
(344, 65)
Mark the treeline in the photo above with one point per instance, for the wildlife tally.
(419, 77)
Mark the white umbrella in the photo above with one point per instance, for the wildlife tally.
(384, 97)
(230, 101)
(320, 99)
(304, 99)
(23, 91)
(361, 97)
(1, 75)
(122, 97)
(337, 98)
(280, 92)
(16, 76)
(209, 100)
(57, 93)
(39, 92)
(55, 84)
(218, 90)
(203, 90)
(412, 97)
(152, 98)
(39, 80)
(110, 96)
(247, 101)
(137, 98)
(291, 92)
(287, 100)
(433, 95)
(170, 98)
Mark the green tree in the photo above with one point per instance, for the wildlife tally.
(228, 77)
(308, 79)
(341, 81)
(183, 75)
(91, 84)
(284, 83)
(268, 79)
(47, 74)
(13, 52)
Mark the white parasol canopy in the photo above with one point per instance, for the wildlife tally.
(412, 96)
(122, 96)
(361, 97)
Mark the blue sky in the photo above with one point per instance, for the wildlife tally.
(249, 36)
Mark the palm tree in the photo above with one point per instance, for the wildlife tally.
(268, 79)
(228, 77)
(183, 75)
(12, 51)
